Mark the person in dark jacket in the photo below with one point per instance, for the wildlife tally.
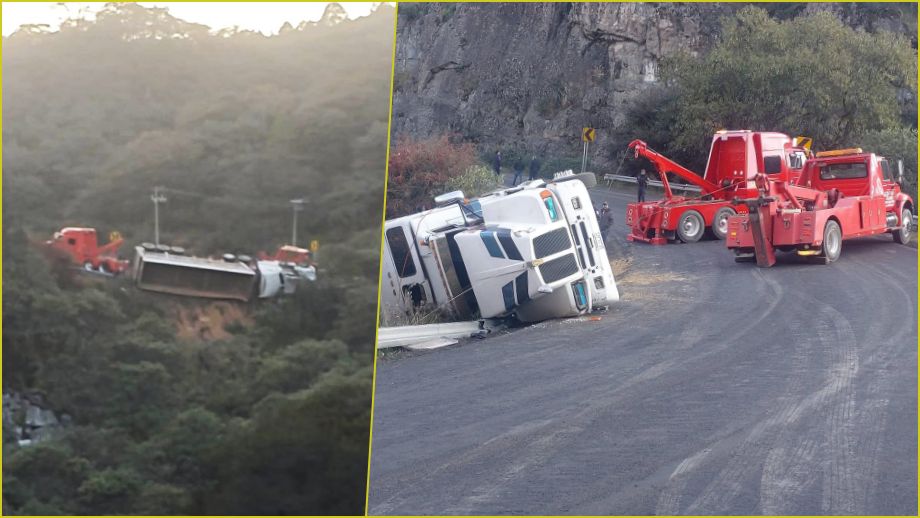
(518, 170)
(605, 219)
(534, 167)
(642, 182)
(497, 163)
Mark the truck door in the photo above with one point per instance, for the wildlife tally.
(889, 185)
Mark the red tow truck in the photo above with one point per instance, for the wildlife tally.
(290, 254)
(734, 159)
(841, 194)
(82, 248)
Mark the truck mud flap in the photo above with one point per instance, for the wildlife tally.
(761, 229)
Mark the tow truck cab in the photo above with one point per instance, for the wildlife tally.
(852, 174)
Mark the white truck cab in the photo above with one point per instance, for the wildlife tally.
(534, 251)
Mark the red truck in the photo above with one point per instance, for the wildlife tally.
(290, 254)
(82, 248)
(734, 159)
(841, 194)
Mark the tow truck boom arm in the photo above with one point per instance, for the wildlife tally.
(665, 165)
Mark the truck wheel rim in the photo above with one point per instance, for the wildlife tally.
(833, 243)
(906, 217)
(723, 224)
(691, 226)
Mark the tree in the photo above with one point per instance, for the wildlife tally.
(811, 75)
(235, 124)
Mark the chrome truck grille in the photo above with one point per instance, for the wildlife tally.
(558, 268)
(551, 243)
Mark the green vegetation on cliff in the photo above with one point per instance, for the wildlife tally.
(273, 418)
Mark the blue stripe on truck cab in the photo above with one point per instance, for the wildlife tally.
(488, 238)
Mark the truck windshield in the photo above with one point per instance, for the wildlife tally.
(843, 171)
(399, 248)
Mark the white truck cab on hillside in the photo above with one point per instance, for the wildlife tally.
(534, 251)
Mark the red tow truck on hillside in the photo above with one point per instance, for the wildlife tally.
(841, 195)
(734, 159)
(81, 246)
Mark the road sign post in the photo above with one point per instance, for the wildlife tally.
(587, 136)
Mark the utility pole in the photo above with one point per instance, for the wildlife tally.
(157, 199)
(296, 206)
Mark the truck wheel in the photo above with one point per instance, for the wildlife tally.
(88, 266)
(833, 241)
(720, 222)
(690, 227)
(103, 269)
(902, 234)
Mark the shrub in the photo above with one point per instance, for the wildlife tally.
(475, 181)
(421, 169)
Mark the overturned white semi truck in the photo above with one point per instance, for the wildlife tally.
(534, 251)
(169, 270)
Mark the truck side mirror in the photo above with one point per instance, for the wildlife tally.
(900, 177)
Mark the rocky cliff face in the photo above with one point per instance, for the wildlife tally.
(530, 76)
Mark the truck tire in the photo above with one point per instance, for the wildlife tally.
(88, 266)
(103, 269)
(690, 227)
(902, 234)
(720, 222)
(833, 241)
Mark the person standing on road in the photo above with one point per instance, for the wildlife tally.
(605, 219)
(534, 167)
(642, 182)
(518, 171)
(497, 163)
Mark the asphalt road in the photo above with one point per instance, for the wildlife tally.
(711, 388)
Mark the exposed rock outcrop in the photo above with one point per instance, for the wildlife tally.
(28, 418)
(530, 76)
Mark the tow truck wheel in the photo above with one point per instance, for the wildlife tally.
(902, 234)
(833, 241)
(720, 222)
(690, 227)
(88, 266)
(102, 268)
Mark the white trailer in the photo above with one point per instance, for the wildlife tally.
(534, 251)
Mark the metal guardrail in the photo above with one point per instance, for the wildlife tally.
(610, 178)
(407, 335)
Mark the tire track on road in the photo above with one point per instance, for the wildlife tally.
(718, 495)
(596, 406)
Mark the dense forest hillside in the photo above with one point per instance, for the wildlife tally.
(525, 78)
(270, 414)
